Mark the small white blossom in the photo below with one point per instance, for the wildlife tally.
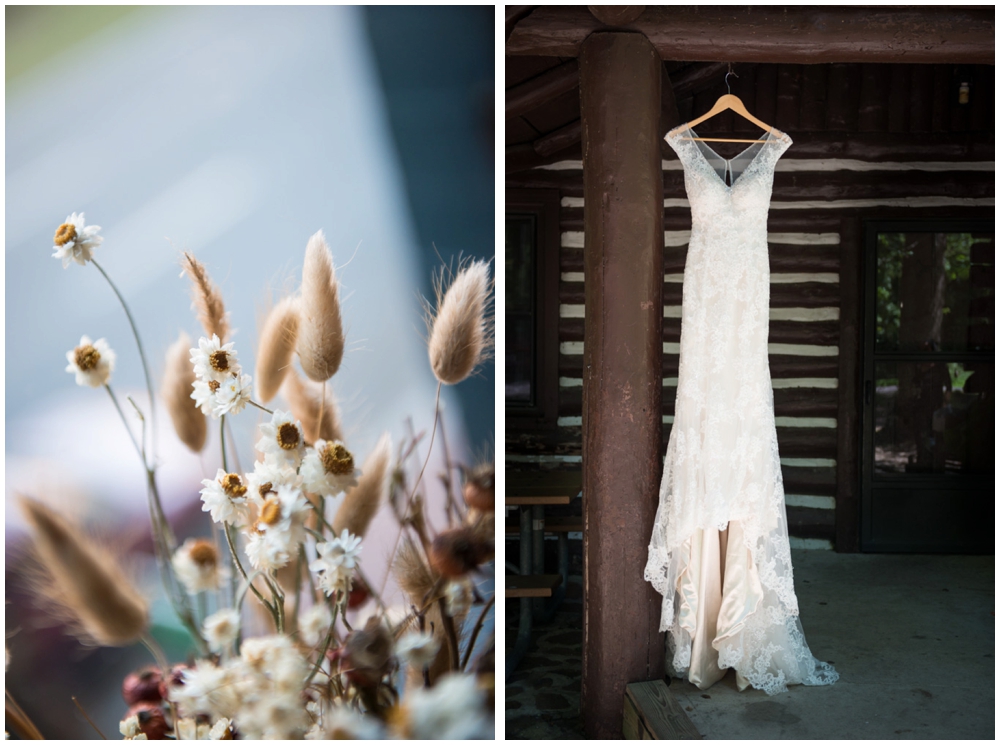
(451, 710)
(458, 597)
(336, 562)
(281, 440)
(92, 362)
(220, 729)
(76, 241)
(267, 476)
(345, 723)
(328, 469)
(418, 648)
(213, 360)
(279, 528)
(221, 629)
(130, 728)
(208, 689)
(315, 623)
(226, 498)
(275, 658)
(232, 396)
(203, 394)
(197, 566)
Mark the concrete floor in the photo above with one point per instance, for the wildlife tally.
(911, 636)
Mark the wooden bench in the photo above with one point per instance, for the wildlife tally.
(532, 586)
(652, 713)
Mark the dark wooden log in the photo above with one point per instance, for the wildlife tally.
(813, 114)
(694, 78)
(669, 116)
(784, 259)
(616, 15)
(899, 98)
(873, 113)
(779, 221)
(524, 157)
(620, 109)
(801, 295)
(843, 97)
(782, 366)
(849, 402)
(744, 85)
(512, 14)
(921, 94)
(939, 100)
(981, 99)
(960, 112)
(824, 333)
(789, 86)
(821, 481)
(807, 442)
(554, 441)
(790, 35)
(561, 139)
(808, 522)
(533, 93)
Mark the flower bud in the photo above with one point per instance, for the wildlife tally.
(143, 685)
(455, 553)
(152, 723)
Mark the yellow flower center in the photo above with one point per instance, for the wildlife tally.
(337, 459)
(232, 484)
(288, 436)
(65, 233)
(214, 385)
(204, 553)
(219, 360)
(86, 356)
(265, 488)
(270, 513)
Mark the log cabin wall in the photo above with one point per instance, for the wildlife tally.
(870, 141)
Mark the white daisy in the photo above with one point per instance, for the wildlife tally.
(329, 469)
(345, 723)
(232, 395)
(226, 498)
(275, 659)
(267, 476)
(93, 362)
(279, 528)
(418, 648)
(221, 629)
(129, 728)
(76, 241)
(315, 623)
(451, 710)
(208, 689)
(204, 394)
(281, 439)
(213, 360)
(196, 564)
(336, 562)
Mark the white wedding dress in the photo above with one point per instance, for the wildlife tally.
(719, 552)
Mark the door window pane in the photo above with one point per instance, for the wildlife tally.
(520, 313)
(934, 292)
(934, 417)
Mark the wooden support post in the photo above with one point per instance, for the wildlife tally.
(622, 379)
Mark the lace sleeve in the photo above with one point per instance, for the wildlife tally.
(673, 139)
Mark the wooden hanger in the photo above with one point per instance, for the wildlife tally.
(728, 102)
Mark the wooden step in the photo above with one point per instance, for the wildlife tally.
(528, 500)
(531, 585)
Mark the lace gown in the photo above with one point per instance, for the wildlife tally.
(719, 552)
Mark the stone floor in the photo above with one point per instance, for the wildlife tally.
(911, 636)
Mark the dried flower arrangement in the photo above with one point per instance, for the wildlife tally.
(287, 536)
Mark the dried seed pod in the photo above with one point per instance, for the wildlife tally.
(320, 342)
(82, 581)
(277, 342)
(143, 685)
(178, 378)
(479, 491)
(460, 331)
(455, 553)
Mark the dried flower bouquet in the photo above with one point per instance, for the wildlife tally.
(287, 537)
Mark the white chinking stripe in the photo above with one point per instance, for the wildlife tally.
(779, 421)
(798, 350)
(826, 164)
(775, 383)
(676, 238)
(838, 204)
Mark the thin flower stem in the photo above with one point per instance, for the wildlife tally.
(319, 419)
(262, 408)
(222, 442)
(21, 722)
(449, 633)
(451, 505)
(476, 629)
(236, 560)
(142, 354)
(322, 652)
(87, 717)
(135, 442)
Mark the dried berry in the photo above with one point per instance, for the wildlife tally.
(151, 720)
(143, 685)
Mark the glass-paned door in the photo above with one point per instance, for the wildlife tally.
(929, 388)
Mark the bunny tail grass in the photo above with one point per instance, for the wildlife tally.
(84, 584)
(206, 298)
(321, 334)
(277, 342)
(362, 501)
(178, 377)
(460, 330)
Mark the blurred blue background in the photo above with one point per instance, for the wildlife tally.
(234, 133)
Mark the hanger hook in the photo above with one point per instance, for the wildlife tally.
(728, 89)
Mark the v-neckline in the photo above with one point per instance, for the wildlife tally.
(728, 187)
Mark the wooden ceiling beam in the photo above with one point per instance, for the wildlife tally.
(531, 94)
(793, 34)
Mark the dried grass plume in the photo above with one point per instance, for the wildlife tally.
(189, 422)
(277, 342)
(206, 299)
(321, 334)
(461, 331)
(82, 581)
(362, 501)
(304, 397)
